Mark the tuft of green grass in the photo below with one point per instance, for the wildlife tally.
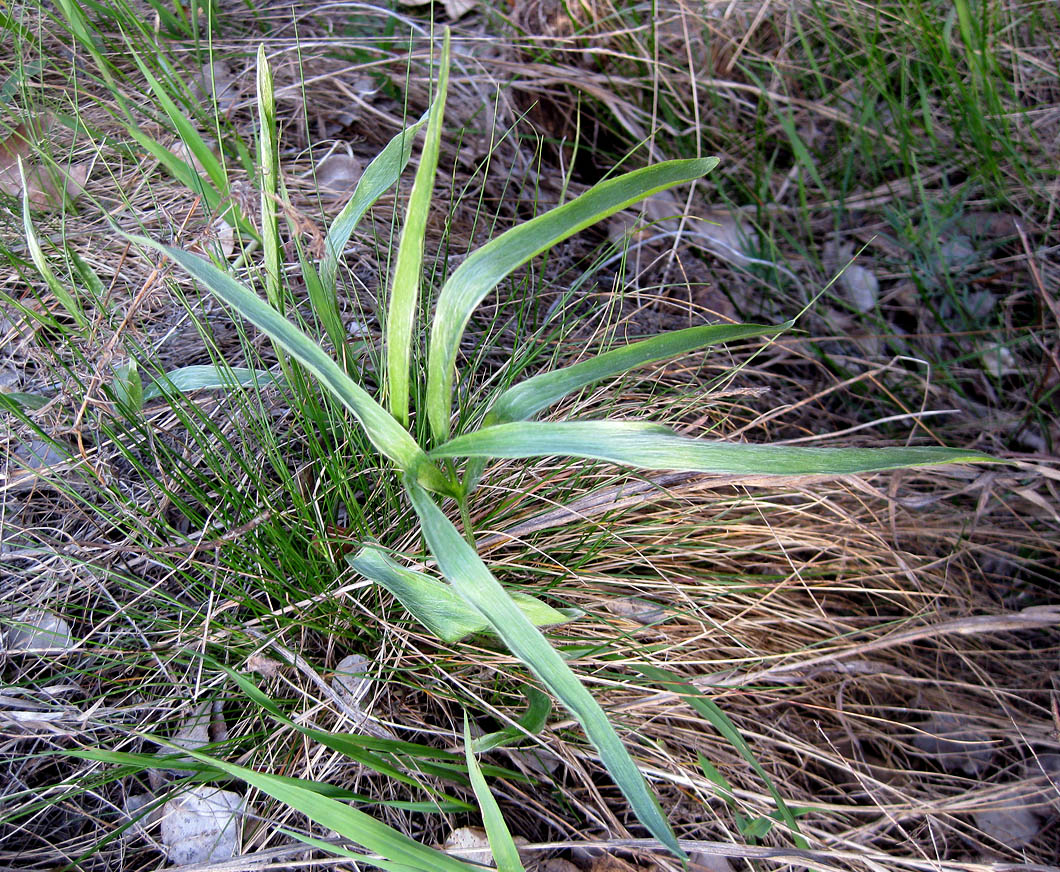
(232, 490)
(638, 444)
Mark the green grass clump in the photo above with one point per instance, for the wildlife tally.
(402, 433)
(418, 466)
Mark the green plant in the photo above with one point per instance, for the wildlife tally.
(418, 377)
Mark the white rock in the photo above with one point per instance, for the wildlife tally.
(457, 9)
(193, 734)
(860, 287)
(39, 454)
(1009, 821)
(134, 805)
(1044, 769)
(350, 682)
(998, 361)
(217, 79)
(727, 237)
(637, 610)
(958, 252)
(471, 844)
(957, 746)
(702, 862)
(203, 825)
(338, 173)
(36, 628)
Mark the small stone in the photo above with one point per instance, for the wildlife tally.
(1045, 770)
(134, 805)
(998, 361)
(860, 286)
(703, 862)
(955, 745)
(338, 173)
(727, 237)
(36, 629)
(39, 454)
(349, 681)
(203, 825)
(558, 864)
(470, 844)
(958, 252)
(1010, 821)
(637, 610)
(193, 735)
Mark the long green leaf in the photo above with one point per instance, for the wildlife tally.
(470, 577)
(378, 177)
(206, 378)
(348, 822)
(58, 289)
(408, 268)
(209, 773)
(383, 431)
(505, 853)
(187, 131)
(533, 721)
(268, 164)
(435, 604)
(483, 269)
(652, 446)
(524, 400)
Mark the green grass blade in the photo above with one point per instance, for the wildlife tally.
(341, 851)
(435, 604)
(348, 822)
(483, 269)
(268, 167)
(533, 720)
(383, 431)
(505, 854)
(380, 175)
(652, 446)
(408, 268)
(709, 710)
(206, 378)
(187, 131)
(526, 399)
(17, 400)
(140, 762)
(67, 300)
(470, 577)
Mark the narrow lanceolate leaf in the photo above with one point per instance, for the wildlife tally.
(380, 175)
(526, 399)
(438, 606)
(206, 378)
(408, 268)
(345, 820)
(67, 300)
(483, 269)
(383, 431)
(471, 578)
(268, 166)
(652, 446)
(188, 132)
(502, 846)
